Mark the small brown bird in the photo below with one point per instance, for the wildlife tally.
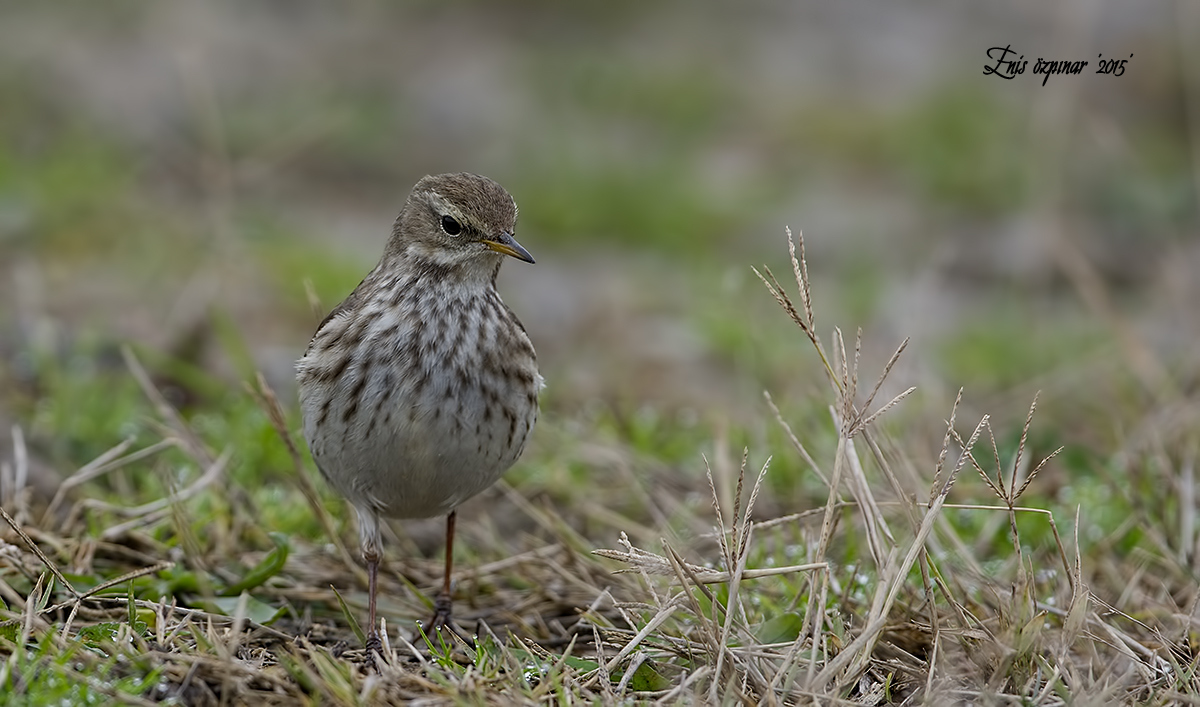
(421, 388)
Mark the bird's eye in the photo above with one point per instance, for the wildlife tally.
(450, 226)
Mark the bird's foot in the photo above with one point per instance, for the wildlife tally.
(374, 648)
(442, 619)
(442, 606)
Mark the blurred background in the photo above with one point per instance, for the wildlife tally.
(204, 180)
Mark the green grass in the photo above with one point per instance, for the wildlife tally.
(95, 672)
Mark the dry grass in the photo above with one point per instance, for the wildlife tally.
(880, 596)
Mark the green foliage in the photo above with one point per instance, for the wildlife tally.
(253, 609)
(1002, 348)
(959, 148)
(343, 128)
(65, 185)
(107, 631)
(348, 615)
(675, 107)
(270, 566)
(42, 674)
(658, 203)
(782, 628)
(83, 402)
(291, 264)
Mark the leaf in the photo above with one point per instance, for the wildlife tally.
(44, 599)
(104, 631)
(1030, 633)
(257, 611)
(583, 665)
(647, 679)
(784, 628)
(131, 605)
(270, 566)
(107, 631)
(358, 632)
(1076, 617)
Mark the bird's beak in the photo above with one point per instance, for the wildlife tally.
(508, 245)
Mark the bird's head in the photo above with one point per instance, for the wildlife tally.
(459, 221)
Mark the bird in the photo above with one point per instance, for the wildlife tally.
(420, 389)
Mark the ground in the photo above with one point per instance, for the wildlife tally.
(718, 504)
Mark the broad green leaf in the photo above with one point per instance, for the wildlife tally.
(647, 679)
(257, 611)
(784, 628)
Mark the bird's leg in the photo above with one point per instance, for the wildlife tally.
(368, 531)
(442, 604)
(374, 643)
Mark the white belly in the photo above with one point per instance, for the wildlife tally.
(420, 439)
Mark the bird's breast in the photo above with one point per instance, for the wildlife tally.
(439, 402)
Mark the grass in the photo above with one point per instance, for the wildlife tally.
(207, 565)
(1020, 529)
